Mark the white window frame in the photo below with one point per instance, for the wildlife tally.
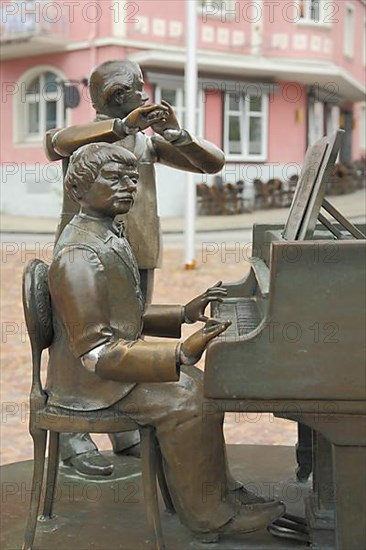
(307, 19)
(22, 100)
(349, 32)
(362, 128)
(42, 102)
(315, 120)
(180, 107)
(244, 120)
(227, 11)
(332, 114)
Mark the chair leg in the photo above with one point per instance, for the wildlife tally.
(39, 450)
(149, 472)
(164, 489)
(52, 470)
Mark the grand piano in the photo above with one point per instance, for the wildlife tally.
(296, 346)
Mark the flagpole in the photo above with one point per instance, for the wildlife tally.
(190, 83)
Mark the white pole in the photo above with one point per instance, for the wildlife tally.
(190, 83)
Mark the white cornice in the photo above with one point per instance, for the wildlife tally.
(305, 71)
(308, 72)
(125, 42)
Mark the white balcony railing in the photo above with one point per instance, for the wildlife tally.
(23, 20)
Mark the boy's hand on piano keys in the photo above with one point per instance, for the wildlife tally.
(193, 347)
(195, 309)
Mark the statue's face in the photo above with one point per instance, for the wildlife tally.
(122, 97)
(112, 192)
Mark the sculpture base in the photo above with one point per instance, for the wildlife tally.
(100, 514)
(322, 525)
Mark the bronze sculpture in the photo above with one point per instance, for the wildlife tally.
(98, 359)
(116, 90)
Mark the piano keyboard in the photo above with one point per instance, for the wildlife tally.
(243, 312)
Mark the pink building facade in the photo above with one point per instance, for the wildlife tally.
(273, 76)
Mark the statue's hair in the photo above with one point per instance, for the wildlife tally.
(87, 161)
(101, 85)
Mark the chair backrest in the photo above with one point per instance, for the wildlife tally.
(37, 313)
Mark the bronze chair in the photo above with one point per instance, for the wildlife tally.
(44, 419)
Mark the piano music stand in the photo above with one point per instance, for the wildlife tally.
(310, 190)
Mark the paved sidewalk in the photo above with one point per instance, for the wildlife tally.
(352, 206)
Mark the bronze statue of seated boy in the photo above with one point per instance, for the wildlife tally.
(99, 359)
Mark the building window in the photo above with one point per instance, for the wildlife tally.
(175, 96)
(323, 119)
(332, 114)
(311, 11)
(315, 121)
(245, 126)
(349, 31)
(43, 107)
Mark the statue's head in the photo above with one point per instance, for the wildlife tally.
(102, 178)
(116, 88)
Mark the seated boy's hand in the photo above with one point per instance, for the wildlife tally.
(195, 309)
(193, 347)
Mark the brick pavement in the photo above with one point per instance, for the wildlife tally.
(172, 284)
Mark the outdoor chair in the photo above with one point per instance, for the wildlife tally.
(204, 199)
(232, 199)
(261, 194)
(53, 420)
(275, 191)
(219, 200)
